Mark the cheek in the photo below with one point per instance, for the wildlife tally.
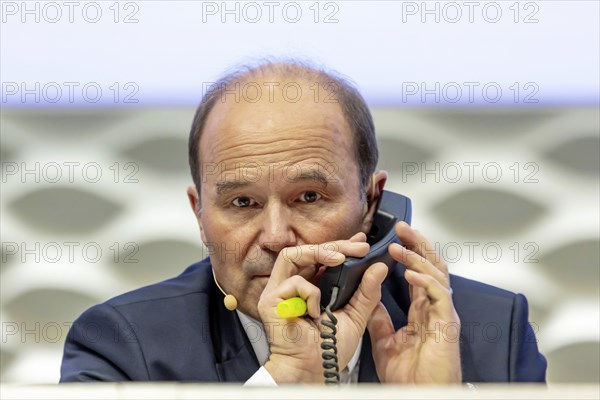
(220, 229)
(228, 243)
(339, 223)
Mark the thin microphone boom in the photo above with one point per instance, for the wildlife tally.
(229, 301)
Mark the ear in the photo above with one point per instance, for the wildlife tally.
(196, 205)
(376, 187)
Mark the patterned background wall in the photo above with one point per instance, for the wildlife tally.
(93, 204)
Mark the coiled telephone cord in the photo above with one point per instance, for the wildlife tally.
(331, 368)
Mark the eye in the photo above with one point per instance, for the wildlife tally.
(309, 197)
(243, 202)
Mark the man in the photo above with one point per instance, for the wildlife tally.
(283, 159)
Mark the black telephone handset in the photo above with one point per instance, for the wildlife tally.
(391, 208)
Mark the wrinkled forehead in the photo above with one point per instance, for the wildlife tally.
(265, 112)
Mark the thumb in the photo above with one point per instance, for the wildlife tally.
(368, 294)
(380, 324)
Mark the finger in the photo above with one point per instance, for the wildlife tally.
(436, 292)
(292, 260)
(354, 247)
(346, 247)
(358, 237)
(419, 311)
(380, 324)
(415, 241)
(368, 294)
(292, 287)
(416, 262)
(416, 293)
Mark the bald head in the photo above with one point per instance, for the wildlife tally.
(293, 81)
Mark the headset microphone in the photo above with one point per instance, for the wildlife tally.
(229, 301)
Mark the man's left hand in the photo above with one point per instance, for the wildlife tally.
(427, 349)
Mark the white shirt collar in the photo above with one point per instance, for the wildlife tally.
(258, 339)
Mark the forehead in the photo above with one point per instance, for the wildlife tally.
(271, 120)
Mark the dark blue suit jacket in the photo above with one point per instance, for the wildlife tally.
(179, 330)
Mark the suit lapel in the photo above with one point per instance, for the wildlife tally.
(239, 368)
(366, 366)
(235, 360)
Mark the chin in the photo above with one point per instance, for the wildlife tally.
(251, 310)
(250, 306)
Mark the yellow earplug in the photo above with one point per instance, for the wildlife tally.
(292, 308)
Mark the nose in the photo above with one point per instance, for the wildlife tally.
(276, 231)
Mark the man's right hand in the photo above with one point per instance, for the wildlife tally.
(295, 351)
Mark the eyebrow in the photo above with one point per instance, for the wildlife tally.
(227, 186)
(224, 187)
(312, 175)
